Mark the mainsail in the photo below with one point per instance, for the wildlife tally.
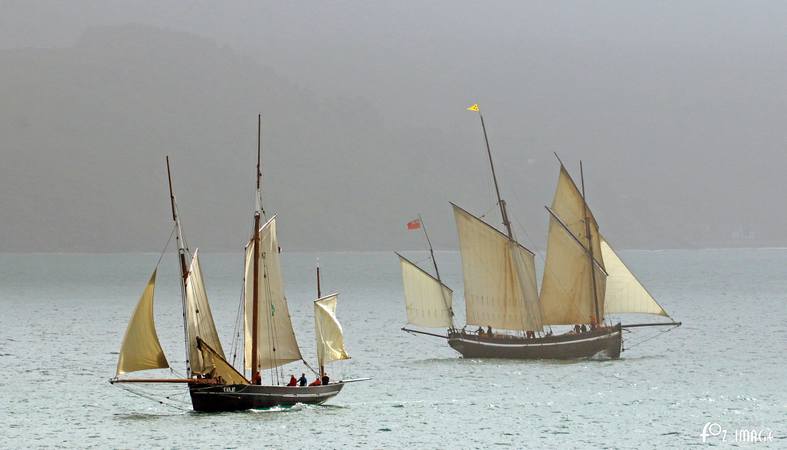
(275, 337)
(199, 319)
(328, 331)
(499, 277)
(625, 294)
(141, 349)
(567, 295)
(427, 300)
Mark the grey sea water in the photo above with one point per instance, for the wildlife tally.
(63, 317)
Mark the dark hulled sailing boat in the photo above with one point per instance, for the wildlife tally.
(584, 281)
(269, 340)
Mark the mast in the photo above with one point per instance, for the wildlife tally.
(500, 201)
(598, 318)
(255, 378)
(319, 294)
(183, 268)
(436, 270)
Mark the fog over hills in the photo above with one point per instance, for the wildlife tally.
(679, 124)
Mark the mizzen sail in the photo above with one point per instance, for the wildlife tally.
(567, 295)
(625, 294)
(428, 301)
(499, 277)
(328, 331)
(141, 349)
(275, 337)
(199, 319)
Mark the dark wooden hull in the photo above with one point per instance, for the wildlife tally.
(605, 342)
(237, 397)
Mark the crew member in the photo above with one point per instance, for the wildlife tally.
(316, 382)
(293, 381)
(302, 380)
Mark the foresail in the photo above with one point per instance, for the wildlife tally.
(141, 349)
(625, 294)
(199, 318)
(217, 367)
(328, 331)
(499, 277)
(275, 337)
(428, 302)
(567, 288)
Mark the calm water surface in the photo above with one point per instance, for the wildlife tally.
(63, 317)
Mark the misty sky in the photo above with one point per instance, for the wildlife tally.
(678, 110)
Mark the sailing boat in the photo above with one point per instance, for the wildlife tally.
(584, 281)
(269, 340)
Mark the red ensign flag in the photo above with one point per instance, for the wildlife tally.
(414, 224)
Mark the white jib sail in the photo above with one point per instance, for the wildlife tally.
(625, 294)
(141, 349)
(428, 301)
(276, 343)
(499, 277)
(328, 331)
(199, 319)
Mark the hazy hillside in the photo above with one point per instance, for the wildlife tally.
(85, 130)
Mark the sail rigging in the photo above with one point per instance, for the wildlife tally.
(199, 318)
(427, 300)
(567, 289)
(624, 292)
(328, 331)
(275, 336)
(141, 349)
(499, 277)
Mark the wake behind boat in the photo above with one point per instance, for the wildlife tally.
(584, 281)
(268, 338)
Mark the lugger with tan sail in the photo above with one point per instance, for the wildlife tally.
(268, 339)
(584, 282)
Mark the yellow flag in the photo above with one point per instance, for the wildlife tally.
(473, 108)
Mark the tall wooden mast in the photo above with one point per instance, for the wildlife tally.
(319, 295)
(319, 292)
(184, 272)
(598, 318)
(255, 270)
(500, 201)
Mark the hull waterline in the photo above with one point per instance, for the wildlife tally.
(605, 342)
(238, 397)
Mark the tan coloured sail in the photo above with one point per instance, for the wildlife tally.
(328, 331)
(625, 294)
(569, 205)
(199, 319)
(428, 301)
(275, 337)
(216, 366)
(141, 349)
(567, 287)
(499, 277)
